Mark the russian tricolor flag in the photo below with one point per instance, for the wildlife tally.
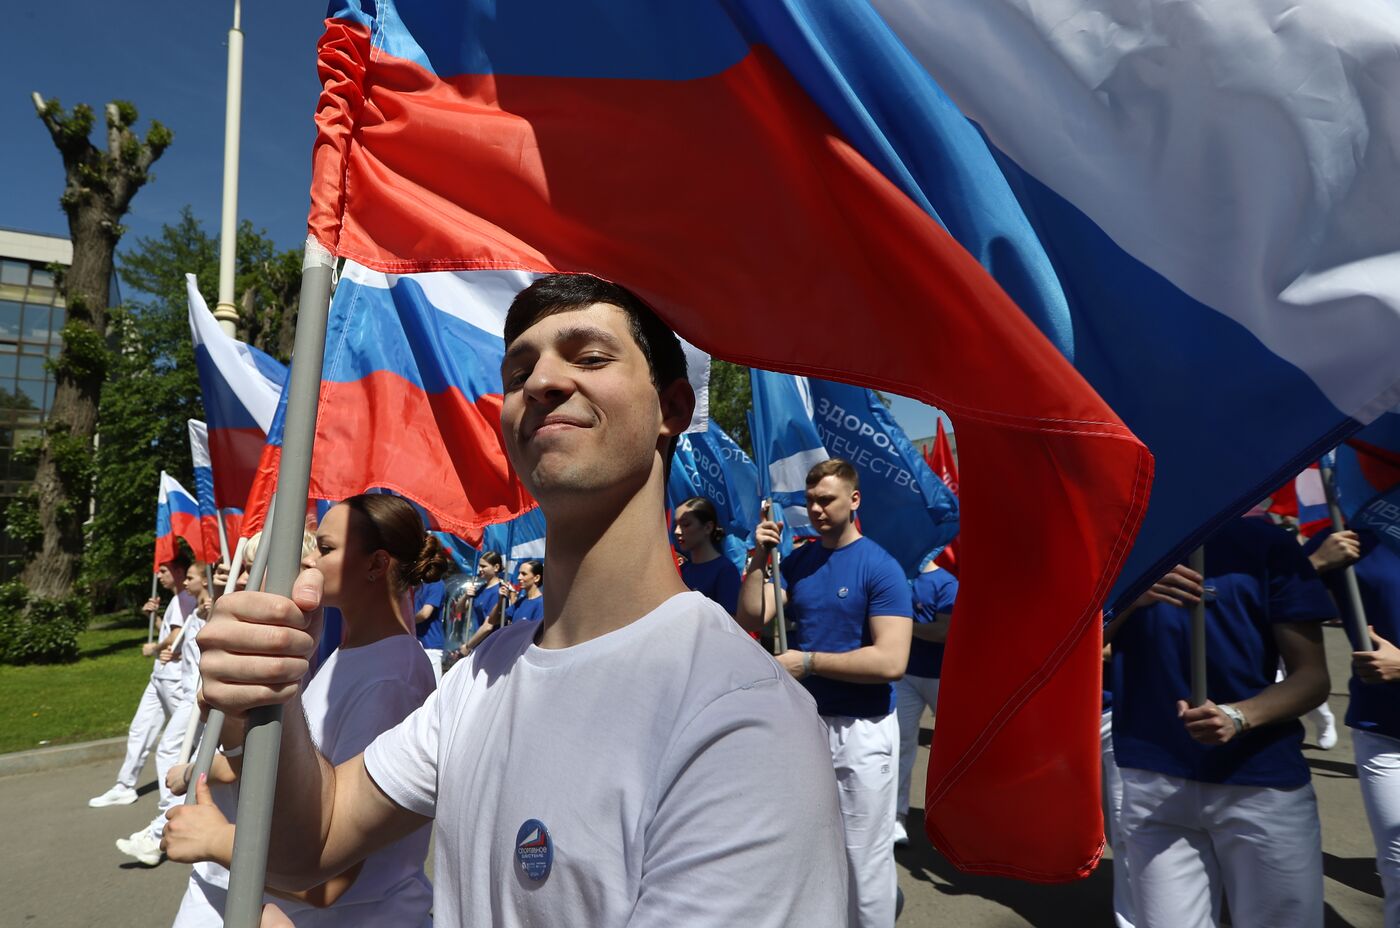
(211, 550)
(1172, 211)
(241, 387)
(177, 516)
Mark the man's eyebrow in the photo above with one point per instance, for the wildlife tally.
(576, 333)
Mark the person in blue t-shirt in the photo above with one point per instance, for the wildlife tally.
(706, 570)
(427, 618)
(1374, 712)
(528, 604)
(1218, 797)
(485, 596)
(935, 590)
(852, 608)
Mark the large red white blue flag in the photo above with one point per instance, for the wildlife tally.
(719, 158)
(177, 516)
(241, 386)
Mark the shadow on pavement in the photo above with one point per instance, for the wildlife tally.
(1085, 902)
(1332, 769)
(1357, 872)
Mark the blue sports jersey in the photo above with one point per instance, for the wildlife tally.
(484, 605)
(1260, 577)
(831, 596)
(1374, 707)
(527, 610)
(934, 592)
(429, 632)
(718, 579)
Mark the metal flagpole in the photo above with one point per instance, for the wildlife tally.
(1197, 562)
(1355, 612)
(151, 619)
(224, 310)
(263, 741)
(775, 561)
(214, 725)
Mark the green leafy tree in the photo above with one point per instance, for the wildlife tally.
(154, 389)
(99, 184)
(731, 398)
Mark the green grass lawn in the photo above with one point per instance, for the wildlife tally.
(89, 699)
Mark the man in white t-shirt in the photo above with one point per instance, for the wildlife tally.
(163, 691)
(612, 764)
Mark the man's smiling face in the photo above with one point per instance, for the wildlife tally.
(581, 412)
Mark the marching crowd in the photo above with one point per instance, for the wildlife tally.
(597, 751)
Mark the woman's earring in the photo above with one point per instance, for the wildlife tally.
(373, 577)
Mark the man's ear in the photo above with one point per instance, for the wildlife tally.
(677, 407)
(855, 500)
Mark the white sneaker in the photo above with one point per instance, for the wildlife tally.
(143, 846)
(901, 834)
(1327, 737)
(116, 796)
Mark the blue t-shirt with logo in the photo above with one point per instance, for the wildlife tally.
(1375, 707)
(485, 604)
(831, 596)
(430, 631)
(934, 593)
(718, 579)
(527, 610)
(1260, 578)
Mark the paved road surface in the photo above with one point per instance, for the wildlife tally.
(59, 868)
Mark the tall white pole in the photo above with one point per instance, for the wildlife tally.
(225, 312)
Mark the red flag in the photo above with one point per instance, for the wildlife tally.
(940, 461)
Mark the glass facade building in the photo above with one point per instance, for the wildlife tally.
(31, 318)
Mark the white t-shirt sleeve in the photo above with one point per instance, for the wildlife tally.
(723, 848)
(174, 615)
(403, 761)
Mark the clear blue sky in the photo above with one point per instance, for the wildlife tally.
(170, 59)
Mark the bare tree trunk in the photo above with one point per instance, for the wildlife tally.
(98, 190)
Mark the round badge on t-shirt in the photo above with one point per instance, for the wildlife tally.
(534, 849)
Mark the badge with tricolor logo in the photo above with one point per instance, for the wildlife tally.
(534, 849)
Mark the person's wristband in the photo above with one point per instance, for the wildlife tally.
(806, 663)
(1236, 716)
(231, 753)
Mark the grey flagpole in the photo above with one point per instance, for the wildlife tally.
(1354, 613)
(223, 536)
(1197, 562)
(775, 558)
(214, 725)
(263, 742)
(151, 619)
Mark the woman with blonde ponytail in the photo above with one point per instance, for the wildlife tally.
(371, 551)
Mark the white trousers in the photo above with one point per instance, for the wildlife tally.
(435, 658)
(911, 695)
(1112, 814)
(1187, 841)
(158, 701)
(168, 755)
(1378, 766)
(202, 907)
(863, 751)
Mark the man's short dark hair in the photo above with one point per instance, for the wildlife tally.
(833, 467)
(561, 293)
(180, 560)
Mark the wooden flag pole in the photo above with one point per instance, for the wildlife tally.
(1354, 612)
(263, 742)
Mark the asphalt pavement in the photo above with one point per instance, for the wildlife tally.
(59, 867)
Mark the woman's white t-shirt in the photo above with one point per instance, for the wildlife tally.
(683, 778)
(356, 695)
